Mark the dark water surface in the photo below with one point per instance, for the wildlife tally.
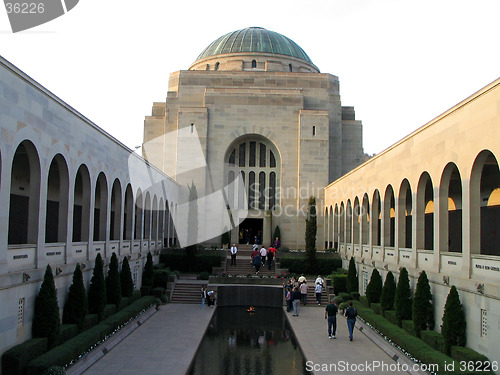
(242, 343)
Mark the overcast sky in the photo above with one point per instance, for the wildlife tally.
(400, 63)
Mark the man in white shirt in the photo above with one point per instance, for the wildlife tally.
(234, 250)
(263, 253)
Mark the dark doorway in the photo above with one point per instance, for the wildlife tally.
(249, 230)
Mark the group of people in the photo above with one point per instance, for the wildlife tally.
(262, 256)
(296, 291)
(208, 296)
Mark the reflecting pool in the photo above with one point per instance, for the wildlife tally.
(243, 343)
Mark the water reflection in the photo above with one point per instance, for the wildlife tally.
(242, 343)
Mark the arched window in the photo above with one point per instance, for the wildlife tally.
(256, 158)
(116, 211)
(254, 64)
(389, 217)
(217, 65)
(128, 208)
(290, 68)
(100, 208)
(405, 214)
(81, 205)
(425, 213)
(57, 201)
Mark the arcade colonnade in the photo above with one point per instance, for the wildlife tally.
(431, 202)
(68, 190)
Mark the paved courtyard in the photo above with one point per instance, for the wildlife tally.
(167, 342)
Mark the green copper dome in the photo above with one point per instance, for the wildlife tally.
(254, 40)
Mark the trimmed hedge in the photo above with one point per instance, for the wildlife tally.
(109, 310)
(364, 301)
(160, 278)
(390, 315)
(411, 344)
(376, 307)
(67, 331)
(89, 321)
(355, 296)
(409, 327)
(339, 282)
(460, 353)
(63, 354)
(344, 297)
(124, 302)
(178, 260)
(17, 358)
(433, 339)
(323, 266)
(135, 296)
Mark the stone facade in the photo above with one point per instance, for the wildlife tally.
(279, 101)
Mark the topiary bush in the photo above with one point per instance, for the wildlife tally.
(390, 315)
(374, 287)
(46, 320)
(126, 282)
(453, 328)
(113, 284)
(376, 308)
(388, 293)
(422, 309)
(15, 360)
(339, 282)
(434, 339)
(148, 274)
(76, 306)
(310, 236)
(402, 299)
(97, 288)
(355, 295)
(364, 301)
(67, 331)
(352, 277)
(408, 326)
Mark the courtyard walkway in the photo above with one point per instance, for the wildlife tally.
(166, 343)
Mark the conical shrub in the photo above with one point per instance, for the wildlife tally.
(453, 328)
(76, 306)
(46, 321)
(97, 288)
(352, 277)
(388, 293)
(113, 284)
(402, 300)
(127, 284)
(148, 273)
(374, 287)
(422, 309)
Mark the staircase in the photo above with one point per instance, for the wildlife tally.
(243, 263)
(188, 291)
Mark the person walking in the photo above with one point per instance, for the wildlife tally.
(296, 301)
(257, 262)
(234, 250)
(331, 311)
(318, 288)
(350, 314)
(203, 296)
(270, 257)
(303, 291)
(263, 253)
(288, 294)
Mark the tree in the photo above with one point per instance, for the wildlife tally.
(388, 292)
(352, 277)
(277, 233)
(46, 321)
(374, 287)
(453, 328)
(76, 306)
(422, 309)
(97, 288)
(127, 284)
(147, 275)
(402, 300)
(113, 284)
(310, 235)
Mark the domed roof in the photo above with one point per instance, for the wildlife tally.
(254, 40)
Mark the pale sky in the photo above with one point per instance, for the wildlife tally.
(400, 63)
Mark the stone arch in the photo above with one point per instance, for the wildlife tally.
(356, 221)
(348, 222)
(336, 227)
(161, 221)
(100, 207)
(56, 218)
(139, 205)
(342, 223)
(147, 217)
(376, 219)
(81, 205)
(330, 226)
(485, 204)
(365, 220)
(389, 217)
(154, 219)
(128, 213)
(425, 213)
(24, 195)
(405, 215)
(450, 209)
(115, 210)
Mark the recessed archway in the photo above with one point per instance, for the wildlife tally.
(56, 218)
